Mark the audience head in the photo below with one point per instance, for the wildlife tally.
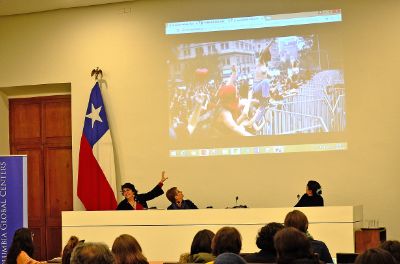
(202, 242)
(227, 239)
(297, 219)
(22, 241)
(92, 253)
(265, 237)
(69, 247)
(174, 195)
(393, 247)
(313, 188)
(229, 258)
(291, 244)
(127, 250)
(375, 256)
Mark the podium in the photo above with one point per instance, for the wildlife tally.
(165, 234)
(367, 238)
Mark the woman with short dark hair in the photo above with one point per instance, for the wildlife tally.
(135, 201)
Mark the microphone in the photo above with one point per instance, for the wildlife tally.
(237, 198)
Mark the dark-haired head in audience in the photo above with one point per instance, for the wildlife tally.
(292, 246)
(200, 250)
(227, 239)
(265, 242)
(92, 253)
(298, 220)
(375, 256)
(127, 250)
(229, 258)
(21, 246)
(393, 246)
(67, 251)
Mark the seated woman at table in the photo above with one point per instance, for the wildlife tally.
(312, 197)
(175, 196)
(138, 201)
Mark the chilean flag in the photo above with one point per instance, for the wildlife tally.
(96, 175)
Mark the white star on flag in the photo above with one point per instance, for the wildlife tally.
(95, 115)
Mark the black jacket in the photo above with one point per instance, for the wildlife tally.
(322, 250)
(309, 201)
(186, 204)
(142, 198)
(260, 257)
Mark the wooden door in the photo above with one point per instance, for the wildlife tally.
(41, 128)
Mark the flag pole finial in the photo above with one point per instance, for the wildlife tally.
(96, 72)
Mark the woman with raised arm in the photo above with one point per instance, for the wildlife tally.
(138, 201)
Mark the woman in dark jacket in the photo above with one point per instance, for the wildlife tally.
(312, 197)
(135, 201)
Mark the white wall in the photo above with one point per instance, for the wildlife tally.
(124, 40)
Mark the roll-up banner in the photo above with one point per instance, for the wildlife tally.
(13, 199)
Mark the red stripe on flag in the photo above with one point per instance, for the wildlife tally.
(93, 188)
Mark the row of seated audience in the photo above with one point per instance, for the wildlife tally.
(283, 244)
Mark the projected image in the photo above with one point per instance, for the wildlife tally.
(255, 87)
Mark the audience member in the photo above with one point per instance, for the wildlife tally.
(312, 197)
(227, 239)
(375, 256)
(21, 249)
(393, 246)
(200, 250)
(67, 251)
(135, 201)
(293, 247)
(175, 196)
(298, 219)
(265, 242)
(229, 258)
(92, 253)
(126, 250)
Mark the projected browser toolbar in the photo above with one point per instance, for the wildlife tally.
(257, 150)
(253, 22)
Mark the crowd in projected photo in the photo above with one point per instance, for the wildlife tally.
(257, 87)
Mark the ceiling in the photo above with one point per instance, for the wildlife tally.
(14, 7)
